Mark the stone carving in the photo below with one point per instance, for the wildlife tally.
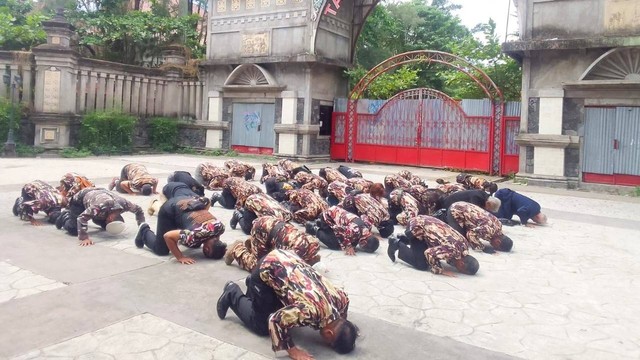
(51, 90)
(222, 6)
(281, 2)
(265, 3)
(255, 44)
(235, 5)
(251, 4)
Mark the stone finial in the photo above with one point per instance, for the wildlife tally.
(58, 29)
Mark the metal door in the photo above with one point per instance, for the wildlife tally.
(626, 142)
(253, 125)
(599, 131)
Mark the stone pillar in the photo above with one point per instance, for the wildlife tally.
(550, 160)
(287, 141)
(172, 107)
(216, 126)
(55, 95)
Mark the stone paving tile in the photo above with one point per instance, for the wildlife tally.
(142, 337)
(17, 283)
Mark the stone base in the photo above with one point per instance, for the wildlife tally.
(559, 182)
(316, 158)
(53, 131)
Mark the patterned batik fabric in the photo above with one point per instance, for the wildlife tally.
(273, 171)
(240, 189)
(310, 181)
(430, 199)
(339, 189)
(396, 182)
(413, 179)
(312, 205)
(39, 196)
(444, 243)
(71, 183)
(334, 175)
(359, 184)
(264, 205)
(371, 211)
(451, 188)
(212, 176)
(410, 206)
(289, 166)
(349, 232)
(98, 204)
(193, 238)
(309, 299)
(138, 175)
(237, 168)
(477, 222)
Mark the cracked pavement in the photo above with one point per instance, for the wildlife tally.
(567, 291)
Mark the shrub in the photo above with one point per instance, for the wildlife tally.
(23, 150)
(107, 132)
(163, 133)
(7, 111)
(75, 153)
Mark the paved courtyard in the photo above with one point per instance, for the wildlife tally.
(569, 290)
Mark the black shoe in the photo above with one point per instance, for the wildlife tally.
(16, 206)
(393, 247)
(403, 239)
(140, 235)
(311, 228)
(214, 198)
(235, 218)
(224, 302)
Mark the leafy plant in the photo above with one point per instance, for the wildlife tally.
(163, 133)
(636, 191)
(23, 150)
(107, 132)
(20, 25)
(75, 153)
(9, 117)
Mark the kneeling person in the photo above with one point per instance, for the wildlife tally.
(134, 179)
(339, 229)
(255, 206)
(476, 224)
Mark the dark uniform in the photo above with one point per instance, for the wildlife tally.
(71, 183)
(235, 192)
(284, 292)
(278, 189)
(311, 205)
(337, 190)
(240, 169)
(270, 233)
(476, 182)
(137, 175)
(404, 206)
(476, 197)
(39, 196)
(292, 167)
(331, 175)
(97, 204)
(475, 223)
(273, 171)
(183, 210)
(186, 178)
(431, 240)
(211, 176)
(258, 205)
(516, 204)
(348, 172)
(371, 211)
(339, 229)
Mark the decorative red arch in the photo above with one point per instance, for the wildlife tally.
(429, 56)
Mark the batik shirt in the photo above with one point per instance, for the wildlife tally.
(414, 180)
(477, 222)
(311, 205)
(204, 227)
(471, 182)
(334, 175)
(359, 184)
(268, 233)
(451, 188)
(264, 205)
(444, 243)
(238, 168)
(273, 171)
(346, 227)
(310, 181)
(309, 299)
(288, 166)
(430, 199)
(39, 196)
(98, 204)
(138, 175)
(371, 211)
(212, 176)
(240, 189)
(339, 189)
(396, 182)
(71, 183)
(410, 206)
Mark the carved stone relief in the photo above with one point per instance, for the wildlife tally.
(255, 44)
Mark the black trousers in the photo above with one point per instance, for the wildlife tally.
(246, 221)
(327, 236)
(332, 200)
(71, 224)
(413, 253)
(454, 224)
(257, 305)
(227, 200)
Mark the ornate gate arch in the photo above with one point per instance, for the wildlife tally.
(428, 56)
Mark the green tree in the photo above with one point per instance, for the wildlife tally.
(387, 84)
(20, 25)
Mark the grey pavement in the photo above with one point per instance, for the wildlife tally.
(567, 291)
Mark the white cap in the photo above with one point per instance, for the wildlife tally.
(115, 227)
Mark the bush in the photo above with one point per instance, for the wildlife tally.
(163, 133)
(7, 110)
(75, 153)
(23, 150)
(107, 133)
